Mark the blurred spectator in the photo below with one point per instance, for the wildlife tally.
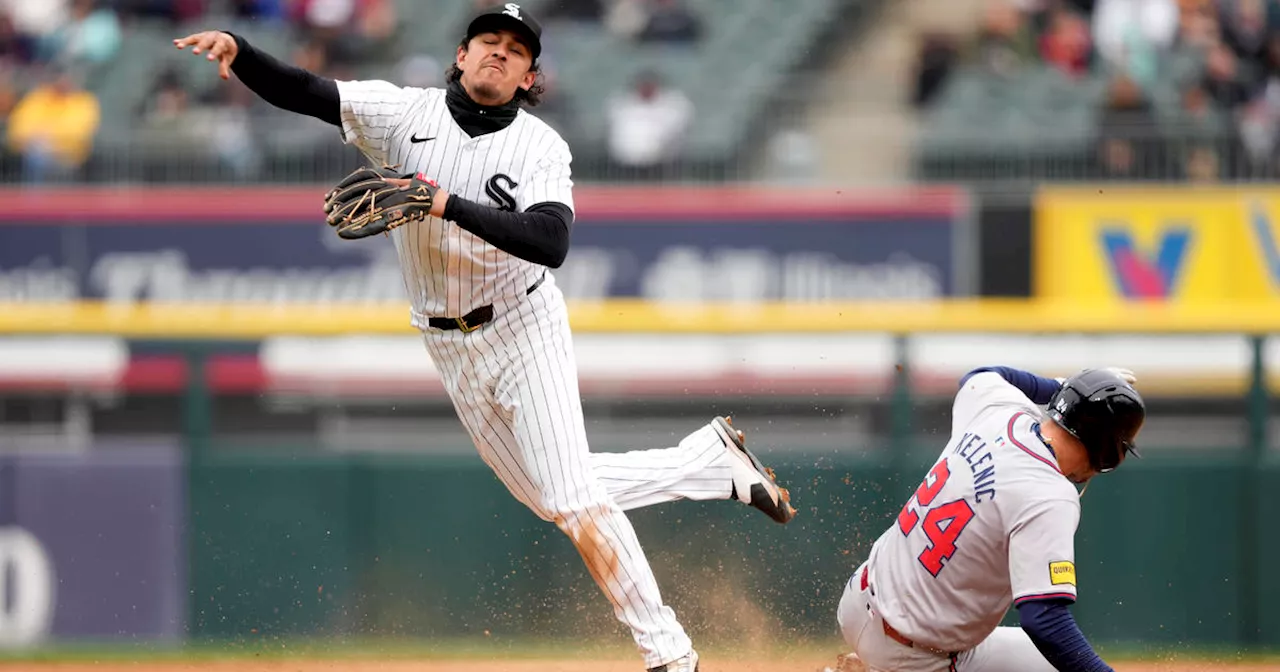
(648, 123)
(1257, 129)
(34, 20)
(8, 89)
(670, 21)
(218, 127)
(312, 55)
(163, 120)
(1005, 41)
(1198, 121)
(176, 11)
(554, 107)
(1129, 139)
(1202, 164)
(1066, 44)
(591, 11)
(626, 18)
(665, 21)
(52, 127)
(1196, 108)
(259, 10)
(420, 71)
(1198, 26)
(934, 63)
(350, 32)
(228, 118)
(1270, 71)
(1223, 80)
(89, 39)
(1247, 25)
(1084, 7)
(1133, 35)
(15, 49)
(1259, 122)
(792, 157)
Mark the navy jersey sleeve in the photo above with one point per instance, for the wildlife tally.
(1053, 630)
(1037, 388)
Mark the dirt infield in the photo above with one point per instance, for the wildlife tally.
(800, 664)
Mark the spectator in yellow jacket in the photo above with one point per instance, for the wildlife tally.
(53, 127)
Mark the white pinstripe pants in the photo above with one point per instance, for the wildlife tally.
(514, 383)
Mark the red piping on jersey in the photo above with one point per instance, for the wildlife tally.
(1044, 596)
(1024, 448)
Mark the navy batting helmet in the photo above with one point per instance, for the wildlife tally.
(1103, 411)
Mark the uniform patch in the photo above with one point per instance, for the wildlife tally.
(1062, 572)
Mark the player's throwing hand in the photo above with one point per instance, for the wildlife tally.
(216, 45)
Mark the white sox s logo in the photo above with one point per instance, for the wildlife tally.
(513, 10)
(498, 191)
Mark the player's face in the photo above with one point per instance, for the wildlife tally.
(494, 65)
(1073, 459)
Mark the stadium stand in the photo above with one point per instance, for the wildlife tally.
(1043, 94)
(731, 74)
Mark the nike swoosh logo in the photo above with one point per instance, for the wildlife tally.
(415, 139)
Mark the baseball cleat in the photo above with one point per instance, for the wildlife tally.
(753, 483)
(685, 663)
(848, 662)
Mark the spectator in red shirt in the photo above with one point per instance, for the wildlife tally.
(1066, 44)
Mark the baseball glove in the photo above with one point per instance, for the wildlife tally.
(370, 201)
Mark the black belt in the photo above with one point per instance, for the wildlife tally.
(476, 318)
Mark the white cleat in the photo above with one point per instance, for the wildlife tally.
(753, 483)
(685, 663)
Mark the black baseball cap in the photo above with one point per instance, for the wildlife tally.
(510, 16)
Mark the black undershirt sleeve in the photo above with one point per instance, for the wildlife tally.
(540, 234)
(285, 86)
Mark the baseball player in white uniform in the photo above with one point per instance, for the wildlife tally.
(992, 524)
(479, 206)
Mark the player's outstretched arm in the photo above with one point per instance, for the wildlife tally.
(1053, 630)
(285, 86)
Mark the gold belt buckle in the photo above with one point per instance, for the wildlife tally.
(466, 328)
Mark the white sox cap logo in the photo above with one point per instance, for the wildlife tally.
(513, 10)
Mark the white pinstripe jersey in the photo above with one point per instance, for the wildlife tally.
(993, 523)
(449, 271)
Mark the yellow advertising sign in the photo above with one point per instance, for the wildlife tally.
(1185, 245)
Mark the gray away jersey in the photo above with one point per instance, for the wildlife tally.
(992, 524)
(447, 270)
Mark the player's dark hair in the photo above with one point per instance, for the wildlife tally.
(531, 96)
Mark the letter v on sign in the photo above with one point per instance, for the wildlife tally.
(1260, 222)
(1141, 274)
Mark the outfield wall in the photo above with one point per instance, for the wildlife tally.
(378, 546)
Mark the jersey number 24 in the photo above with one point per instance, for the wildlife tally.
(942, 523)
